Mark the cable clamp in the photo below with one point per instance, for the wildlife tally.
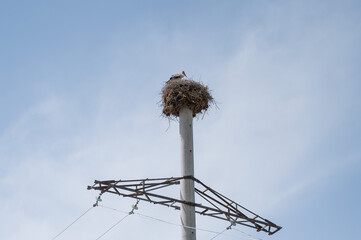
(233, 223)
(98, 199)
(134, 207)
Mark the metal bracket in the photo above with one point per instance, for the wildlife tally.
(213, 203)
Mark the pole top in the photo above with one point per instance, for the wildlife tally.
(180, 91)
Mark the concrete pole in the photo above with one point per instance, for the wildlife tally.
(187, 213)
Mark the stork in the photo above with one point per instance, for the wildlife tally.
(178, 76)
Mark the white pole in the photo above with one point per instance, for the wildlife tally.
(187, 212)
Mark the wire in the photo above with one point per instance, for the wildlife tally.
(179, 225)
(72, 223)
(134, 207)
(159, 220)
(219, 233)
(152, 218)
(113, 226)
(249, 235)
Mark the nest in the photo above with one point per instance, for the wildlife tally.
(178, 93)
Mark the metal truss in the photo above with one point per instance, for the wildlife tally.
(214, 204)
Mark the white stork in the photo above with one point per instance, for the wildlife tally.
(178, 76)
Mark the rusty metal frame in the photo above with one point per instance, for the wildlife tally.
(217, 205)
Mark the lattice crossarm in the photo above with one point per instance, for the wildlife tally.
(216, 205)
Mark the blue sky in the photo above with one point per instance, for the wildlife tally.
(81, 85)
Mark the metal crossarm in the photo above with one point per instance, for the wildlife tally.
(213, 203)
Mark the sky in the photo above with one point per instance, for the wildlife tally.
(80, 100)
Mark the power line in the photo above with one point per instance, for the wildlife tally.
(72, 223)
(113, 226)
(249, 235)
(134, 207)
(179, 225)
(219, 234)
(159, 220)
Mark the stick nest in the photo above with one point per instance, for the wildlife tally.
(178, 93)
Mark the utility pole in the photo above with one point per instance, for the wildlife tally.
(184, 99)
(187, 212)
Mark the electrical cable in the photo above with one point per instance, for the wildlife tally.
(72, 223)
(134, 207)
(113, 226)
(160, 220)
(179, 225)
(249, 235)
(219, 233)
